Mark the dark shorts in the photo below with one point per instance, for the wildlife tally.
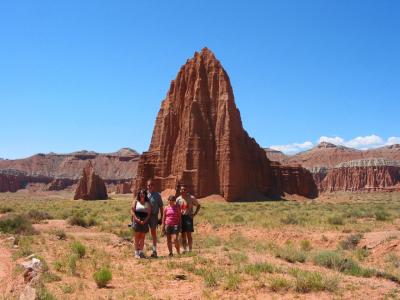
(187, 224)
(172, 229)
(141, 227)
(153, 221)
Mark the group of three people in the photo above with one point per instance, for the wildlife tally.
(176, 217)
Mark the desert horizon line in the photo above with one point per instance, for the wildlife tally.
(359, 143)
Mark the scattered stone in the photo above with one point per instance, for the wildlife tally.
(29, 293)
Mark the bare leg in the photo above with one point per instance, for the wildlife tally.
(176, 242)
(142, 236)
(184, 240)
(137, 240)
(190, 240)
(153, 232)
(169, 243)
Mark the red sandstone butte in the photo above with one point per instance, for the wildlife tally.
(199, 140)
(90, 186)
(12, 180)
(363, 175)
(123, 188)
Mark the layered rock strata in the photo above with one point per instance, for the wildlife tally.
(362, 175)
(199, 140)
(90, 186)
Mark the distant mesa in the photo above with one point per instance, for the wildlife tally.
(54, 171)
(90, 186)
(376, 174)
(275, 155)
(199, 140)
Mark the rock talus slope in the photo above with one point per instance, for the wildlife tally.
(199, 140)
(90, 186)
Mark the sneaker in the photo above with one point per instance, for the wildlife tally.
(154, 254)
(141, 255)
(137, 256)
(170, 255)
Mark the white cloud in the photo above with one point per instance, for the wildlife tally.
(334, 140)
(293, 148)
(393, 140)
(362, 142)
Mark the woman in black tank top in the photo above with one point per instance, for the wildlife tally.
(141, 209)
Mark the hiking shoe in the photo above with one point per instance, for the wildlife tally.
(137, 256)
(170, 255)
(154, 254)
(141, 255)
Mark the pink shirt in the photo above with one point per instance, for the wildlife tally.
(172, 214)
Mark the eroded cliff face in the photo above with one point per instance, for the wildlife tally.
(363, 175)
(199, 140)
(90, 185)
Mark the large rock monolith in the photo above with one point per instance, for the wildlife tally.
(90, 185)
(199, 140)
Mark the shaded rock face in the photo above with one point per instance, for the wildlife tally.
(198, 139)
(90, 186)
(293, 179)
(59, 184)
(12, 180)
(123, 188)
(363, 175)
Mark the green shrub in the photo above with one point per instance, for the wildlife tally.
(58, 266)
(305, 245)
(335, 260)
(279, 284)
(361, 253)
(78, 248)
(102, 277)
(291, 254)
(307, 281)
(238, 258)
(328, 259)
(60, 234)
(257, 268)
(5, 209)
(232, 281)
(350, 242)
(16, 224)
(37, 216)
(77, 220)
(290, 220)
(72, 259)
(382, 215)
(336, 220)
(238, 219)
(24, 247)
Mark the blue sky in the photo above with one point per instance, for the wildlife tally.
(91, 74)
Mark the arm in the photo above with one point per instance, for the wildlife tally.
(161, 207)
(163, 220)
(134, 218)
(148, 214)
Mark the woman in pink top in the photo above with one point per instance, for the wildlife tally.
(171, 223)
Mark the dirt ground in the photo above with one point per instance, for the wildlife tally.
(227, 248)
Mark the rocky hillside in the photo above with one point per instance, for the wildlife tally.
(361, 175)
(329, 155)
(110, 166)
